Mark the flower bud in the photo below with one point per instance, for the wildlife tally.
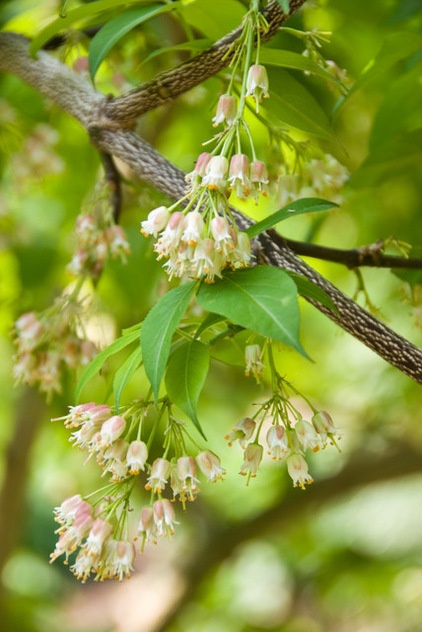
(112, 429)
(136, 456)
(226, 110)
(157, 220)
(298, 470)
(251, 460)
(278, 445)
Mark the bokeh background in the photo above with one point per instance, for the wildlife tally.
(345, 555)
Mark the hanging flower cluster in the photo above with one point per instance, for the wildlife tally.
(98, 237)
(289, 436)
(49, 342)
(284, 440)
(100, 531)
(323, 176)
(198, 234)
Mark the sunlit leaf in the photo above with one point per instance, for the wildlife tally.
(97, 363)
(158, 329)
(124, 373)
(396, 47)
(263, 299)
(291, 103)
(307, 289)
(297, 207)
(86, 15)
(207, 17)
(295, 61)
(185, 377)
(116, 28)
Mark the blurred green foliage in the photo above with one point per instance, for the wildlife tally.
(265, 557)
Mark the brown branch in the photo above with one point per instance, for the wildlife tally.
(78, 98)
(168, 85)
(370, 256)
(112, 176)
(17, 457)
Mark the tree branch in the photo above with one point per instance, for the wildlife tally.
(78, 98)
(168, 85)
(370, 256)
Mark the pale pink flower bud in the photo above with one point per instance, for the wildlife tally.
(194, 226)
(278, 445)
(136, 457)
(226, 110)
(220, 230)
(160, 472)
(210, 465)
(298, 470)
(307, 435)
(202, 163)
(259, 177)
(82, 525)
(258, 172)
(195, 176)
(146, 525)
(257, 83)
(242, 251)
(239, 174)
(325, 427)
(170, 238)
(242, 432)
(99, 533)
(114, 459)
(164, 517)
(251, 459)
(70, 508)
(98, 414)
(206, 260)
(112, 429)
(216, 171)
(186, 472)
(157, 220)
(84, 435)
(323, 424)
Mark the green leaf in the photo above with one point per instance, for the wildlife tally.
(396, 46)
(213, 18)
(291, 103)
(114, 30)
(263, 299)
(307, 289)
(209, 321)
(87, 15)
(185, 377)
(298, 207)
(124, 373)
(295, 61)
(158, 329)
(97, 363)
(400, 110)
(401, 153)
